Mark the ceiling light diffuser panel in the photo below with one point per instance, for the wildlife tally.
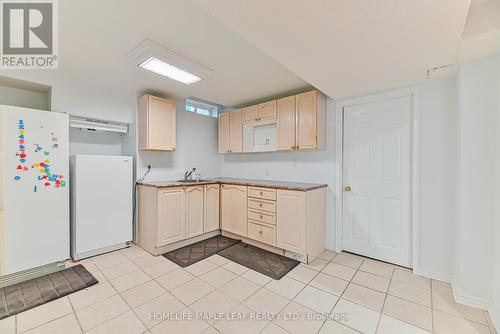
(155, 58)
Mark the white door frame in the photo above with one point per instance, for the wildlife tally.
(414, 93)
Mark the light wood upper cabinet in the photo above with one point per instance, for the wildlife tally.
(286, 123)
(157, 123)
(224, 133)
(267, 110)
(250, 114)
(194, 211)
(234, 209)
(259, 112)
(302, 121)
(235, 132)
(300, 124)
(171, 216)
(306, 111)
(212, 220)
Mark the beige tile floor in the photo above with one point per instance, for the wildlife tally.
(337, 293)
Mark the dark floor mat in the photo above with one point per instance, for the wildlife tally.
(267, 263)
(23, 296)
(200, 250)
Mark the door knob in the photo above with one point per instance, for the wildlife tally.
(348, 188)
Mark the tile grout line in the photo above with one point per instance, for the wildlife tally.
(385, 300)
(306, 285)
(433, 329)
(74, 313)
(347, 286)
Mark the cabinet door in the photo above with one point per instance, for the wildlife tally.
(234, 209)
(267, 110)
(286, 123)
(250, 114)
(224, 133)
(235, 132)
(161, 124)
(211, 222)
(194, 211)
(305, 106)
(291, 221)
(171, 216)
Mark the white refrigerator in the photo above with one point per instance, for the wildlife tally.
(101, 204)
(34, 195)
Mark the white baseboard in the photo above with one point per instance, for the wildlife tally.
(495, 322)
(433, 275)
(459, 296)
(469, 300)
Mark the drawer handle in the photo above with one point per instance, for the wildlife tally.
(260, 216)
(260, 205)
(261, 193)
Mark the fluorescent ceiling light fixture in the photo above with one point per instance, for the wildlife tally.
(160, 67)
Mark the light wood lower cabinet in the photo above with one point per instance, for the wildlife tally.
(212, 218)
(170, 215)
(300, 222)
(234, 209)
(194, 211)
(285, 220)
(292, 220)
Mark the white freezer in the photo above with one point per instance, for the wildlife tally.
(34, 196)
(101, 204)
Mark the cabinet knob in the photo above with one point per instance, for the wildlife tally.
(348, 188)
(260, 232)
(260, 205)
(260, 216)
(261, 193)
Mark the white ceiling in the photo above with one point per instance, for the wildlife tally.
(257, 48)
(349, 48)
(96, 36)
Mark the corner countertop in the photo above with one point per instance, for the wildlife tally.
(243, 182)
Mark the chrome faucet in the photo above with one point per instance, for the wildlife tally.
(189, 174)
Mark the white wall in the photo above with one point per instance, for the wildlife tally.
(495, 308)
(313, 166)
(478, 97)
(105, 143)
(438, 167)
(196, 147)
(24, 98)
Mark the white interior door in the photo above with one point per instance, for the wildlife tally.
(376, 197)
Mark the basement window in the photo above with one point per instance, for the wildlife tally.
(202, 108)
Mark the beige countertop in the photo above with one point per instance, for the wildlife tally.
(244, 182)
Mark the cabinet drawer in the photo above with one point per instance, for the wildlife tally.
(264, 193)
(261, 204)
(263, 217)
(261, 233)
